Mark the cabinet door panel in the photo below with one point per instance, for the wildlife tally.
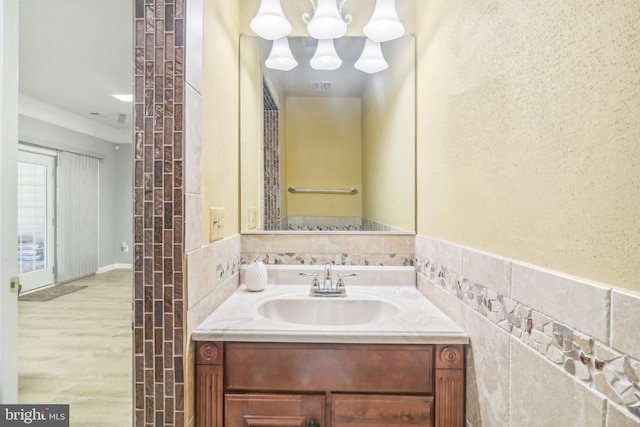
(338, 368)
(349, 410)
(273, 410)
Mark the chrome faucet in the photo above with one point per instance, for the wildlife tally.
(328, 277)
(327, 289)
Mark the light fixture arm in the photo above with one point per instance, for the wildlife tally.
(342, 6)
(306, 17)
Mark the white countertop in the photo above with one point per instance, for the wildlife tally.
(418, 321)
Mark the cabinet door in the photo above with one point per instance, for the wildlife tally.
(352, 410)
(273, 410)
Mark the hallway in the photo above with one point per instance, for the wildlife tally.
(76, 349)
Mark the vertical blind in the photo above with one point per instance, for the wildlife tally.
(77, 224)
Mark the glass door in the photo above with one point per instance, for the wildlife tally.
(36, 257)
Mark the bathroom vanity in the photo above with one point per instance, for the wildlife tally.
(395, 360)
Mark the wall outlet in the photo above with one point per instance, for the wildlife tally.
(216, 224)
(253, 217)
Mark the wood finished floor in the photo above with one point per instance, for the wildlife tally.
(77, 350)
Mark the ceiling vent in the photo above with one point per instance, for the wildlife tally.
(318, 86)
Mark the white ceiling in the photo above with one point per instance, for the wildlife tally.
(74, 54)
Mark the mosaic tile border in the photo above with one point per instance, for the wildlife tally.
(335, 259)
(596, 365)
(159, 387)
(227, 269)
(324, 223)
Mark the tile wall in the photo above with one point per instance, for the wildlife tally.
(212, 268)
(341, 249)
(546, 349)
(324, 223)
(158, 213)
(271, 159)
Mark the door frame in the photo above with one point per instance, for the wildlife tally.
(9, 35)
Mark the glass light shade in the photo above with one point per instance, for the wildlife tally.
(384, 24)
(281, 57)
(371, 60)
(326, 57)
(270, 22)
(327, 23)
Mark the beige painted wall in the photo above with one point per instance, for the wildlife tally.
(528, 132)
(388, 139)
(321, 156)
(220, 118)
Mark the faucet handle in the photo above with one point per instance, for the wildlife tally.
(315, 284)
(340, 283)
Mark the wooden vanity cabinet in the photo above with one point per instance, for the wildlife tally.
(329, 385)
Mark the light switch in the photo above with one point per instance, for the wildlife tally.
(216, 224)
(253, 217)
(14, 284)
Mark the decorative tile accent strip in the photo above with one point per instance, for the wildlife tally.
(227, 269)
(158, 213)
(336, 259)
(271, 163)
(320, 248)
(615, 375)
(324, 223)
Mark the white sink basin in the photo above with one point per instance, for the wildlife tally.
(328, 311)
(382, 306)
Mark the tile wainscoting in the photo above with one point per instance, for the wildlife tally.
(318, 249)
(546, 349)
(212, 276)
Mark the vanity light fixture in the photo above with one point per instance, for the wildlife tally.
(371, 60)
(328, 21)
(270, 22)
(281, 57)
(326, 57)
(384, 24)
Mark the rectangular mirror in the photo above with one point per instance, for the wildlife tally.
(327, 150)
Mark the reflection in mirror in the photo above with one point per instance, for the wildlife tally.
(327, 150)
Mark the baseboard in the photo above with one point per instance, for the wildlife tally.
(114, 267)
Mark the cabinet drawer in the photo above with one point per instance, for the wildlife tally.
(337, 368)
(264, 410)
(381, 411)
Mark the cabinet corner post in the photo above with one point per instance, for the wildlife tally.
(209, 384)
(449, 385)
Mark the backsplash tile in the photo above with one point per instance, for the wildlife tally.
(534, 287)
(551, 398)
(625, 311)
(340, 249)
(558, 337)
(485, 268)
(487, 380)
